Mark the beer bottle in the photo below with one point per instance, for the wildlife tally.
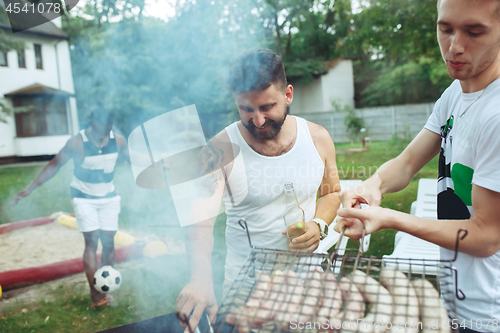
(293, 213)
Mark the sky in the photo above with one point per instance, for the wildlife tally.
(159, 8)
(163, 9)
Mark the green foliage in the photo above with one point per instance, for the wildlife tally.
(7, 43)
(398, 30)
(304, 71)
(141, 68)
(353, 123)
(5, 110)
(410, 82)
(398, 56)
(319, 34)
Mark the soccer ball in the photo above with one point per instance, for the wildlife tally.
(107, 279)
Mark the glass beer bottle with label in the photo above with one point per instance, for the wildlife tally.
(294, 215)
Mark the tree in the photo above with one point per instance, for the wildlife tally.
(143, 67)
(398, 59)
(321, 35)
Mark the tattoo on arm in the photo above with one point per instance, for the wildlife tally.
(211, 160)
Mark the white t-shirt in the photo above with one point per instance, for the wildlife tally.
(470, 153)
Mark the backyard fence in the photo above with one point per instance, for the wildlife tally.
(381, 122)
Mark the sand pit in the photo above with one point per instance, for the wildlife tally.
(40, 245)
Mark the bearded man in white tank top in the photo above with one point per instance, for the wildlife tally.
(258, 155)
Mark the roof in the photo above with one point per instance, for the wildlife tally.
(21, 22)
(38, 89)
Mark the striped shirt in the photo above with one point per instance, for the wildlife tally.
(93, 179)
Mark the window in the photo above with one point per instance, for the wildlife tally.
(38, 56)
(49, 116)
(21, 58)
(3, 59)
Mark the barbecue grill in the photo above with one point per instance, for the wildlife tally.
(267, 262)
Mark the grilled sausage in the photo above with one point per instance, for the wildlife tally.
(313, 297)
(291, 306)
(405, 307)
(381, 304)
(433, 313)
(270, 301)
(248, 312)
(353, 300)
(332, 299)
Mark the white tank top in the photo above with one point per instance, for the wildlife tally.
(256, 184)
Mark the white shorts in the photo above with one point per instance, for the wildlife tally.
(95, 214)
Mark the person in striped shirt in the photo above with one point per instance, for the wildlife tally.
(94, 151)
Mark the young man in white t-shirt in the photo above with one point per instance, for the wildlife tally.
(462, 129)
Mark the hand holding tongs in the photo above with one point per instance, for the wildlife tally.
(210, 328)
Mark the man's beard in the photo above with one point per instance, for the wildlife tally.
(269, 134)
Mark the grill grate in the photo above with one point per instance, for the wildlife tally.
(280, 291)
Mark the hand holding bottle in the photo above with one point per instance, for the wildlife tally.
(306, 239)
(295, 230)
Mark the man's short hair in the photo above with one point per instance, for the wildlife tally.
(497, 11)
(256, 69)
(102, 116)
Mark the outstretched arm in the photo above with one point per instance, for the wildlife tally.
(50, 169)
(392, 176)
(483, 226)
(396, 174)
(199, 295)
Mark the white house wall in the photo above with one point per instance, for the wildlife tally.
(46, 145)
(307, 97)
(7, 135)
(336, 85)
(13, 78)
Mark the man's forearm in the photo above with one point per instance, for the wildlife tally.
(201, 242)
(327, 206)
(479, 242)
(396, 174)
(392, 176)
(47, 173)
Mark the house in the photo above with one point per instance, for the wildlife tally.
(40, 76)
(335, 86)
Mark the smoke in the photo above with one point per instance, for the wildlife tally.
(143, 69)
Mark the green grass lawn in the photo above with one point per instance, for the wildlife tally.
(148, 290)
(151, 289)
(361, 165)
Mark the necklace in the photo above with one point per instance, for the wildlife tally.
(481, 94)
(99, 146)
